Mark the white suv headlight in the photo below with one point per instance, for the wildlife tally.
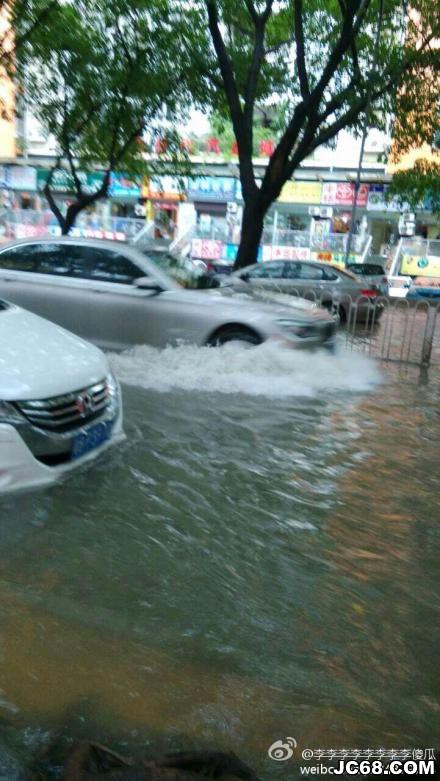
(112, 384)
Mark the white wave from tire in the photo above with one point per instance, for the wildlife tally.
(268, 370)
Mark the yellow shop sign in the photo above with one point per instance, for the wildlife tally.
(420, 265)
(301, 192)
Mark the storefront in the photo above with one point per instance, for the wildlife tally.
(26, 211)
(19, 187)
(124, 195)
(211, 196)
(163, 196)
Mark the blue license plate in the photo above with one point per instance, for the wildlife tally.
(89, 440)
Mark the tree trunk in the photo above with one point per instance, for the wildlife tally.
(72, 213)
(67, 222)
(251, 233)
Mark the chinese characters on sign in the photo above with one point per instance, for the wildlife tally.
(301, 192)
(342, 194)
(212, 188)
(285, 253)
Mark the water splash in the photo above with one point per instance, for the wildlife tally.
(268, 370)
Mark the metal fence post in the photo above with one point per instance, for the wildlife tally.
(428, 337)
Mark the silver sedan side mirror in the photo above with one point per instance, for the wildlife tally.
(147, 283)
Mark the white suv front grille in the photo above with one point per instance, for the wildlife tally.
(70, 411)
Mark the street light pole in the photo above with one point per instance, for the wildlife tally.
(364, 135)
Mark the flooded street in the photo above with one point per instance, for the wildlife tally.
(258, 559)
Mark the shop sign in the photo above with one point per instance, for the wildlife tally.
(301, 192)
(21, 177)
(230, 252)
(377, 199)
(342, 194)
(23, 231)
(123, 186)
(338, 258)
(206, 249)
(164, 187)
(20, 230)
(212, 249)
(62, 181)
(213, 146)
(273, 252)
(93, 233)
(420, 265)
(266, 147)
(212, 188)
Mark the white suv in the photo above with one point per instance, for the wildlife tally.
(59, 403)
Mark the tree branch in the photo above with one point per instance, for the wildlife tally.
(86, 200)
(244, 139)
(125, 147)
(123, 44)
(252, 78)
(353, 47)
(252, 12)
(21, 39)
(300, 52)
(347, 36)
(277, 46)
(225, 64)
(49, 196)
(267, 11)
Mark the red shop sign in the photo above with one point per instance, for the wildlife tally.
(342, 194)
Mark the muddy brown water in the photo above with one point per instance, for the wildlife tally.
(258, 560)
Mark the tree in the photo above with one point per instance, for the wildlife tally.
(317, 59)
(18, 21)
(415, 151)
(104, 75)
(419, 184)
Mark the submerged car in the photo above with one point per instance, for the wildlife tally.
(59, 403)
(324, 282)
(117, 297)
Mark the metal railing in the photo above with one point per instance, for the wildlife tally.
(394, 331)
(146, 232)
(403, 333)
(29, 223)
(277, 245)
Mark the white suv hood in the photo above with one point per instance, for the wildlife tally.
(39, 359)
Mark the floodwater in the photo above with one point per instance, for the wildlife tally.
(259, 559)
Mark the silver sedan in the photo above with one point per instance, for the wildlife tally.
(117, 297)
(323, 282)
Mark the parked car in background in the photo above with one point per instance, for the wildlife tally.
(373, 273)
(117, 297)
(60, 405)
(322, 281)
